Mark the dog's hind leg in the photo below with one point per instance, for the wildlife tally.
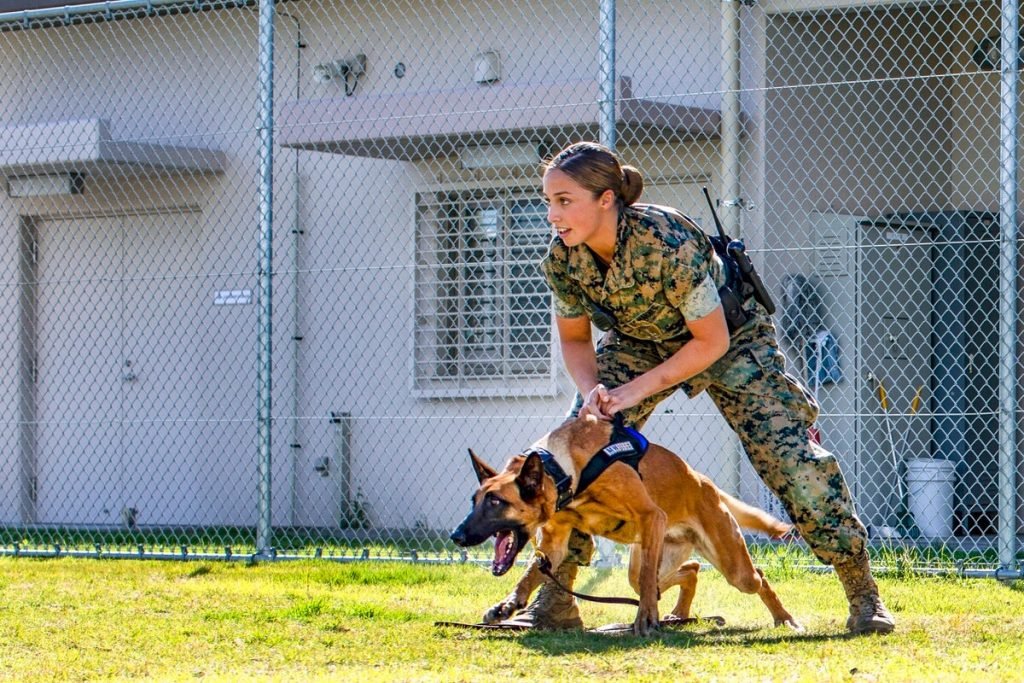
(678, 570)
(723, 546)
(686, 578)
(774, 605)
(745, 577)
(674, 571)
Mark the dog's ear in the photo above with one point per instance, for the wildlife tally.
(531, 477)
(482, 469)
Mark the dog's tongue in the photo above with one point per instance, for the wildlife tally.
(504, 552)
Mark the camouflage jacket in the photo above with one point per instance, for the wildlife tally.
(664, 271)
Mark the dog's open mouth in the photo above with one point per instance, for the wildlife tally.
(507, 545)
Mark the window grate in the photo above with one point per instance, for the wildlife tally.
(483, 311)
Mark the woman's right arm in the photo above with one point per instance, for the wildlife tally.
(578, 353)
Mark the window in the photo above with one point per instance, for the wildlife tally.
(483, 310)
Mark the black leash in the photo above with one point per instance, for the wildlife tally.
(544, 565)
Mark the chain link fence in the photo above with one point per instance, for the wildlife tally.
(269, 274)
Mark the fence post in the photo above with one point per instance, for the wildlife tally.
(606, 73)
(731, 201)
(264, 542)
(1009, 60)
(606, 556)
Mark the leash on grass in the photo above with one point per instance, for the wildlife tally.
(544, 565)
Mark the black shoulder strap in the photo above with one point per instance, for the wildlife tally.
(627, 445)
(563, 481)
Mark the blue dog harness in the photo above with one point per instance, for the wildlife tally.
(627, 445)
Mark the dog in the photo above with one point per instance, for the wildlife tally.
(664, 509)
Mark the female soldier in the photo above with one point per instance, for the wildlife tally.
(650, 276)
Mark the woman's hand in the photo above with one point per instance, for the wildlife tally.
(593, 403)
(603, 403)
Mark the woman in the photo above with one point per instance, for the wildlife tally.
(650, 276)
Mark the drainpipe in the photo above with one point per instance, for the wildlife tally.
(731, 125)
(295, 444)
(265, 285)
(1008, 286)
(606, 74)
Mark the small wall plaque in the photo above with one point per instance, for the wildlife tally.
(232, 297)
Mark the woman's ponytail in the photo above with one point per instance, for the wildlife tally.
(632, 185)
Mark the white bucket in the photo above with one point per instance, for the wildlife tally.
(930, 488)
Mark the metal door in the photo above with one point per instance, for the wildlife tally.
(78, 392)
(980, 480)
(116, 374)
(159, 372)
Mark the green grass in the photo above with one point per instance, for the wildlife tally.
(86, 619)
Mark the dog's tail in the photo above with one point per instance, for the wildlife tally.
(755, 519)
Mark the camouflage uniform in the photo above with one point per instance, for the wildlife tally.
(665, 271)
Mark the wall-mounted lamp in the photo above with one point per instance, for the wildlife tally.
(48, 185)
(347, 70)
(487, 67)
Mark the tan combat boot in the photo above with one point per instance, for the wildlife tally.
(553, 609)
(867, 612)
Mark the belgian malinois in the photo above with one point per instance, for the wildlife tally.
(665, 509)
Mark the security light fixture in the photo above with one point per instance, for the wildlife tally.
(346, 70)
(47, 185)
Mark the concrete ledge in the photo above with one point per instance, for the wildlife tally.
(85, 146)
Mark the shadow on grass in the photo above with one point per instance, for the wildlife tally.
(562, 642)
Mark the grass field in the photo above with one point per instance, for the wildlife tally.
(87, 619)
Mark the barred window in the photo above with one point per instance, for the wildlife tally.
(483, 310)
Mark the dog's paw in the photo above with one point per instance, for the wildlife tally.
(503, 610)
(646, 623)
(790, 623)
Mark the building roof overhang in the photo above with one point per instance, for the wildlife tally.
(86, 147)
(422, 125)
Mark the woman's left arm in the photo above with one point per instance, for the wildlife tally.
(709, 343)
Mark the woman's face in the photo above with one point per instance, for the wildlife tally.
(573, 211)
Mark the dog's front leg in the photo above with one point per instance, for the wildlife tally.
(652, 536)
(554, 543)
(516, 600)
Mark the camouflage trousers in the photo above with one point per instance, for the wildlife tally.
(770, 411)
